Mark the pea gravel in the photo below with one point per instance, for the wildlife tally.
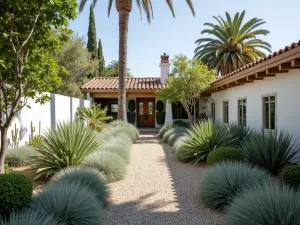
(159, 190)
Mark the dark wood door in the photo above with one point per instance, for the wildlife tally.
(146, 112)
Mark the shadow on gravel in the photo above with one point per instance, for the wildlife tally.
(137, 212)
(186, 179)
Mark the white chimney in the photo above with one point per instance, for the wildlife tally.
(164, 68)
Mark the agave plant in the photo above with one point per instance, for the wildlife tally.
(226, 180)
(201, 139)
(271, 151)
(95, 116)
(70, 203)
(29, 217)
(91, 178)
(265, 204)
(65, 145)
(241, 133)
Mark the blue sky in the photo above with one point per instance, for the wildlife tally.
(174, 36)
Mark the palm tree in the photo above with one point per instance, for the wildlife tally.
(114, 67)
(124, 8)
(234, 43)
(95, 116)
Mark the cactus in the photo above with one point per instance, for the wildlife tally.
(35, 139)
(15, 136)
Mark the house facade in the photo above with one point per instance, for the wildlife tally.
(104, 91)
(264, 94)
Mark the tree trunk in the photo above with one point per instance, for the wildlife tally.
(123, 38)
(3, 148)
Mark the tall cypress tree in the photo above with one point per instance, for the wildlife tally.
(92, 39)
(101, 58)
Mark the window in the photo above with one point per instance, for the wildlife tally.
(178, 111)
(242, 112)
(269, 112)
(225, 112)
(141, 108)
(213, 111)
(114, 108)
(150, 108)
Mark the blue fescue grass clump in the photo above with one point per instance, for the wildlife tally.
(265, 204)
(19, 156)
(178, 132)
(70, 203)
(117, 147)
(29, 217)
(226, 180)
(90, 178)
(123, 127)
(111, 164)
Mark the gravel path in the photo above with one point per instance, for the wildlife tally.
(159, 190)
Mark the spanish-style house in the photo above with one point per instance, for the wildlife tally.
(264, 94)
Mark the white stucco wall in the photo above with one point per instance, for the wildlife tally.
(59, 109)
(286, 88)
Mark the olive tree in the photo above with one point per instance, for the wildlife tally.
(30, 33)
(189, 78)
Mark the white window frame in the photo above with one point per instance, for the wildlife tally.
(223, 106)
(263, 112)
(213, 110)
(238, 110)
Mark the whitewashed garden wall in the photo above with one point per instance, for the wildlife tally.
(59, 109)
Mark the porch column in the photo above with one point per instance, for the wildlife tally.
(169, 115)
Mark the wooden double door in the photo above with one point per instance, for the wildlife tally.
(146, 112)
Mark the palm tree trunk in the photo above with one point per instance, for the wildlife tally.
(123, 38)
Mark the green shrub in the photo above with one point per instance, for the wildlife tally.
(160, 117)
(180, 123)
(266, 204)
(121, 138)
(29, 217)
(226, 180)
(36, 140)
(117, 127)
(116, 147)
(224, 154)
(241, 133)
(131, 117)
(70, 203)
(160, 106)
(271, 151)
(201, 139)
(164, 129)
(65, 145)
(6, 169)
(15, 192)
(291, 176)
(87, 177)
(19, 156)
(178, 132)
(131, 106)
(111, 164)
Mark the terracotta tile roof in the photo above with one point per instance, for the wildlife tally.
(277, 53)
(109, 84)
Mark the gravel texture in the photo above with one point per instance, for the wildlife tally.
(159, 190)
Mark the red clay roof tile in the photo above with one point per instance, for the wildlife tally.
(111, 83)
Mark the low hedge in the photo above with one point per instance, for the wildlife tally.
(291, 176)
(15, 192)
(180, 123)
(225, 154)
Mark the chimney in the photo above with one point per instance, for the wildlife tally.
(164, 68)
